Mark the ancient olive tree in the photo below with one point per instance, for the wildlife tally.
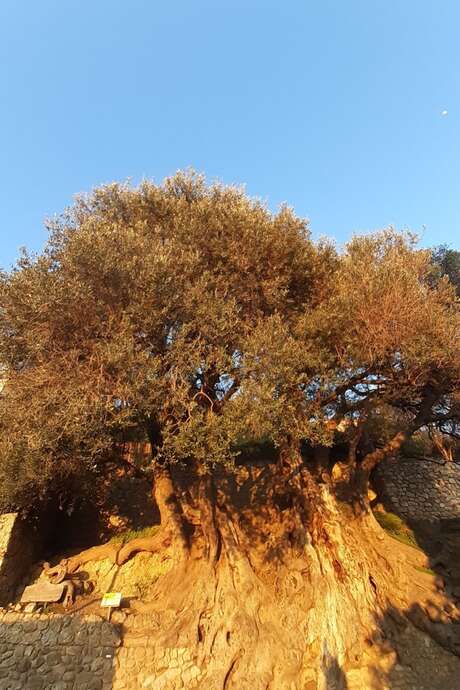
(194, 314)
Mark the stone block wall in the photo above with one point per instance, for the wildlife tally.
(17, 553)
(420, 489)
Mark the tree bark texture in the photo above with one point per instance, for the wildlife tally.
(275, 583)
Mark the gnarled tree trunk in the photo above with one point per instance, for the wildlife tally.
(275, 583)
(278, 591)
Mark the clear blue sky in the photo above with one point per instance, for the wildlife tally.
(333, 106)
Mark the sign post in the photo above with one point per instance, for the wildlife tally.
(111, 600)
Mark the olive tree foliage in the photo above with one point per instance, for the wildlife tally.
(383, 346)
(192, 313)
(138, 314)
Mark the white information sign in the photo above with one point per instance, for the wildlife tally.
(111, 600)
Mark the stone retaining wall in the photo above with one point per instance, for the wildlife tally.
(420, 489)
(59, 652)
(40, 652)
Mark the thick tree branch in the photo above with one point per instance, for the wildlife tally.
(371, 460)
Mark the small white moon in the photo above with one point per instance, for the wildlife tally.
(444, 112)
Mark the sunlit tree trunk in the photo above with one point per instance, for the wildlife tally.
(274, 597)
